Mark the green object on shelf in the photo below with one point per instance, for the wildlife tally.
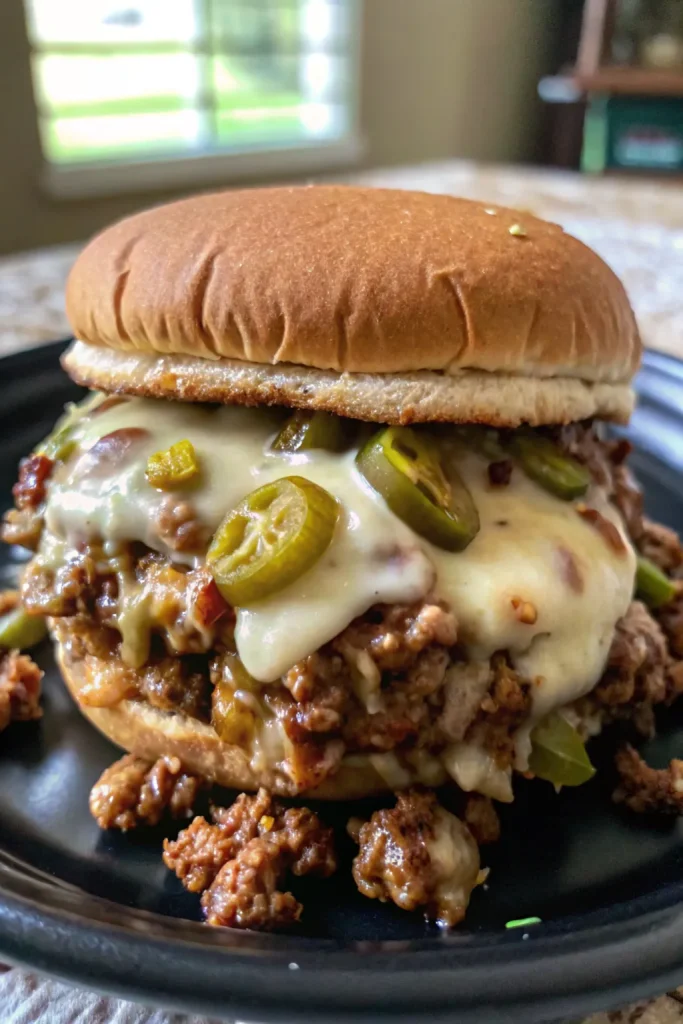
(636, 133)
(594, 151)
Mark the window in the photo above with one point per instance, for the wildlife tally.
(126, 82)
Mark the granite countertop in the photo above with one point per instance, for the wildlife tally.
(637, 226)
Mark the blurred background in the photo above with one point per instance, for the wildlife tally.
(572, 108)
(94, 87)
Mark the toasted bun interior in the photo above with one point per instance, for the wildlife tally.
(471, 396)
(148, 732)
(356, 281)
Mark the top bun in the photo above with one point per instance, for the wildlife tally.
(362, 281)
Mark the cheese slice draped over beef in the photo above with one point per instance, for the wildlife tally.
(533, 549)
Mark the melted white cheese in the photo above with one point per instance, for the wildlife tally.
(454, 863)
(519, 554)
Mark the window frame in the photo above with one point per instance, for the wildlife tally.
(158, 173)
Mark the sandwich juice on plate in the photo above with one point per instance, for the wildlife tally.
(340, 518)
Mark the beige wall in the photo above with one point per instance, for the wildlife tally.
(440, 78)
(453, 77)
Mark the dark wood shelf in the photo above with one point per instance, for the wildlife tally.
(631, 82)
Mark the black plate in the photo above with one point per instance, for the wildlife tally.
(101, 909)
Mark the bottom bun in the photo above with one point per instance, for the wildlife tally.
(151, 733)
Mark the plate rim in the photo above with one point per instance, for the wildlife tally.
(134, 953)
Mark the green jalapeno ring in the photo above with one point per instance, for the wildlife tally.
(404, 468)
(548, 466)
(18, 630)
(652, 585)
(558, 754)
(271, 538)
(306, 430)
(484, 440)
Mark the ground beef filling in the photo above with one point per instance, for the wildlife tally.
(392, 682)
(186, 610)
(639, 674)
(376, 687)
(645, 663)
(240, 860)
(381, 686)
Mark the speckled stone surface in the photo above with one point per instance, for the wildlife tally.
(637, 226)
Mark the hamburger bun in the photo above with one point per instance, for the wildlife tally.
(150, 733)
(471, 396)
(379, 304)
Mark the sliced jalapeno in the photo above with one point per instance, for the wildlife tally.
(485, 440)
(271, 538)
(305, 430)
(404, 467)
(652, 585)
(173, 467)
(19, 630)
(550, 467)
(558, 754)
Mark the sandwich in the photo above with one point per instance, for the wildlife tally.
(341, 517)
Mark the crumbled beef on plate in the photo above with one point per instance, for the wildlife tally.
(417, 855)
(201, 849)
(20, 680)
(481, 818)
(648, 790)
(134, 791)
(239, 861)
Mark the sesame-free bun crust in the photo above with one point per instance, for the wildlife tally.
(470, 396)
(356, 280)
(148, 732)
